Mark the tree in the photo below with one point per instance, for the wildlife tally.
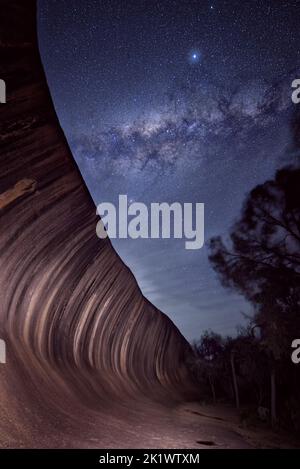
(208, 358)
(262, 261)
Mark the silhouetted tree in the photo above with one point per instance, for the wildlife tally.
(262, 261)
(208, 358)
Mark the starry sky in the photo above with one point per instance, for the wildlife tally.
(179, 100)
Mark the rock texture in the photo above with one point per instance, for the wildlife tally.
(75, 322)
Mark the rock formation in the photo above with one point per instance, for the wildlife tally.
(76, 325)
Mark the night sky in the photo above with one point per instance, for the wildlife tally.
(175, 101)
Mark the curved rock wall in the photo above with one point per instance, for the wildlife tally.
(73, 317)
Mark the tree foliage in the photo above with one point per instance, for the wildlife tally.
(261, 260)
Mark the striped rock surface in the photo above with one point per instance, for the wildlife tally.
(74, 320)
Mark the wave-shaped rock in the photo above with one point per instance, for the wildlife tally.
(73, 317)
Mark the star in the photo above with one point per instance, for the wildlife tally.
(194, 57)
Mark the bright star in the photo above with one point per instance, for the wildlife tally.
(194, 57)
